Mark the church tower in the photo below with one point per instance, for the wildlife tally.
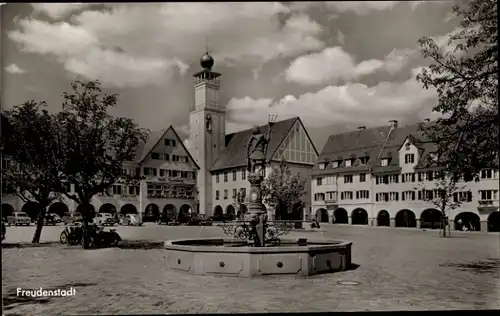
(207, 129)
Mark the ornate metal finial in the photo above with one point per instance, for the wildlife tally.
(272, 119)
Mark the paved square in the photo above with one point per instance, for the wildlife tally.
(399, 269)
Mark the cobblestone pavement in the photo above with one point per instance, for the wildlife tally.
(398, 270)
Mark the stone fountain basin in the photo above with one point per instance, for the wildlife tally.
(233, 257)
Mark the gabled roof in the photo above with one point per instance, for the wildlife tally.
(359, 143)
(144, 148)
(378, 142)
(234, 154)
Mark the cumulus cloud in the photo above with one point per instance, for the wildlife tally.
(333, 64)
(342, 104)
(158, 40)
(445, 47)
(361, 7)
(15, 69)
(58, 10)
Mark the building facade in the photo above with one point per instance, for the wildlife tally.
(168, 184)
(378, 177)
(289, 141)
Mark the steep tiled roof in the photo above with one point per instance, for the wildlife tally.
(376, 143)
(144, 148)
(234, 154)
(359, 143)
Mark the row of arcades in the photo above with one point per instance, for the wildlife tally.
(429, 219)
(151, 212)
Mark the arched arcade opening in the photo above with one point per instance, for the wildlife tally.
(430, 218)
(128, 209)
(322, 215)
(405, 218)
(494, 222)
(59, 208)
(184, 213)
(170, 212)
(7, 210)
(218, 211)
(359, 217)
(383, 218)
(90, 210)
(32, 209)
(340, 216)
(231, 212)
(151, 213)
(467, 221)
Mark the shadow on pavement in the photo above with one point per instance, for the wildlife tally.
(487, 266)
(141, 244)
(8, 245)
(352, 267)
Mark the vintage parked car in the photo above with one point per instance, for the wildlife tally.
(69, 218)
(167, 220)
(19, 218)
(50, 219)
(130, 220)
(104, 219)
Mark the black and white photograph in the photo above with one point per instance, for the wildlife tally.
(249, 157)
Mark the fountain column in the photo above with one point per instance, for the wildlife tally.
(257, 213)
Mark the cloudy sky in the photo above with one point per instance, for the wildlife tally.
(337, 65)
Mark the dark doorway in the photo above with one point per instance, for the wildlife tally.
(340, 216)
(383, 218)
(405, 218)
(359, 217)
(430, 218)
(152, 213)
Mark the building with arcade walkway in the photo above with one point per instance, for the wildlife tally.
(203, 179)
(377, 177)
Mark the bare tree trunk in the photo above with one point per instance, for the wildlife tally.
(85, 236)
(39, 225)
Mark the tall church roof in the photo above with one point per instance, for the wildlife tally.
(234, 154)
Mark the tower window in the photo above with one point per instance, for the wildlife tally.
(208, 123)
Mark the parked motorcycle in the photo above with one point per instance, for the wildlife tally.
(71, 235)
(100, 237)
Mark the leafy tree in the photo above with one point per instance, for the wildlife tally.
(466, 81)
(283, 191)
(34, 174)
(94, 144)
(239, 202)
(443, 195)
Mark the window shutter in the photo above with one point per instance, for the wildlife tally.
(402, 178)
(419, 176)
(469, 196)
(420, 195)
(403, 196)
(413, 195)
(376, 197)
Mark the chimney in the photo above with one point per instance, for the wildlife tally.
(393, 123)
(361, 127)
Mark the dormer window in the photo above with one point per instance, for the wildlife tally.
(363, 160)
(384, 162)
(322, 165)
(408, 146)
(335, 164)
(348, 162)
